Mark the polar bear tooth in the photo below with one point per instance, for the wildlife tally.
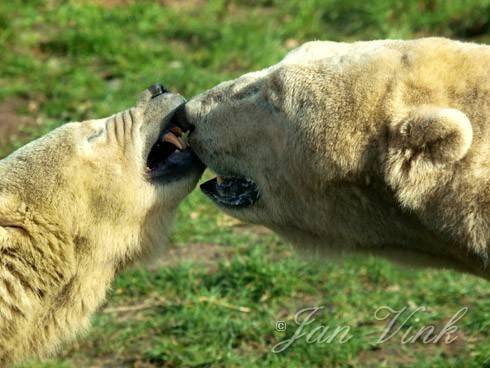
(176, 141)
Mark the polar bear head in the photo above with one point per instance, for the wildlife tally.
(114, 179)
(75, 207)
(352, 146)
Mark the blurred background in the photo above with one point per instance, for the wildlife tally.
(214, 299)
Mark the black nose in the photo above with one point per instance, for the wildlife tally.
(157, 90)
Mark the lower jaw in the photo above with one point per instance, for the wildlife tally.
(232, 192)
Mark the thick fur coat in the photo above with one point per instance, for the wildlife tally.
(378, 147)
(76, 207)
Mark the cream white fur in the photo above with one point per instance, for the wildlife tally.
(76, 207)
(376, 147)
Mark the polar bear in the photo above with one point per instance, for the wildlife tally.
(76, 207)
(376, 147)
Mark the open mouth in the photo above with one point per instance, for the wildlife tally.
(171, 157)
(232, 192)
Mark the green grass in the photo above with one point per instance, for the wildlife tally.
(217, 306)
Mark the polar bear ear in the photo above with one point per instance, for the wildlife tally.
(434, 134)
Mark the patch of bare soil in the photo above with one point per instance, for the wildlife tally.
(242, 227)
(183, 3)
(394, 353)
(208, 255)
(110, 3)
(176, 4)
(13, 124)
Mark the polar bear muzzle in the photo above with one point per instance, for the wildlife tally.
(171, 157)
(232, 191)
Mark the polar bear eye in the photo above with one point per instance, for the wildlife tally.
(94, 135)
(248, 91)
